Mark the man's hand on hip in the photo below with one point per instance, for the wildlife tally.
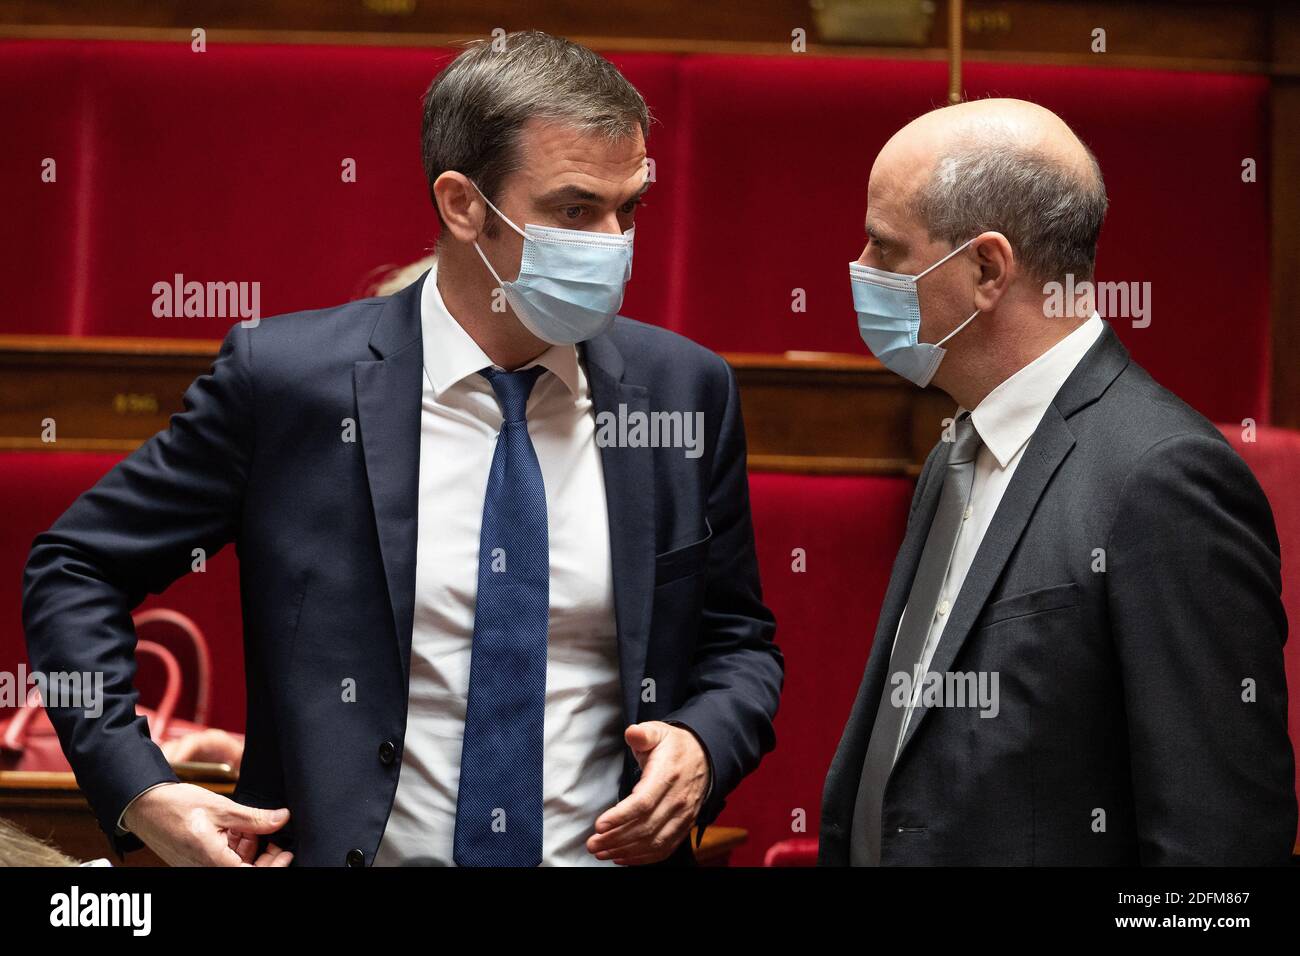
(650, 823)
(187, 825)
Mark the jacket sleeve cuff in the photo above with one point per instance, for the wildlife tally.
(708, 794)
(121, 817)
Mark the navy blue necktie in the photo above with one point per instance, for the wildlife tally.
(499, 804)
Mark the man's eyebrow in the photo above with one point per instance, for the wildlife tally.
(879, 235)
(569, 194)
(578, 194)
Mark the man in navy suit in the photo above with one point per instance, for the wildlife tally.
(500, 595)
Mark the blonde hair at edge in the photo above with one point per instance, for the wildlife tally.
(400, 278)
(19, 848)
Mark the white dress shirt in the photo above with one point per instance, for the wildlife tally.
(583, 724)
(1005, 420)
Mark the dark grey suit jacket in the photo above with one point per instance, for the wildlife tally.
(1122, 735)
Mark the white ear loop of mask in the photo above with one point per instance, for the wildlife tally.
(477, 248)
(935, 266)
(956, 330)
(931, 268)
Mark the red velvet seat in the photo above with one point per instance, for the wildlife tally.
(781, 150)
(849, 529)
(796, 851)
(225, 166)
(1274, 457)
(36, 487)
(42, 248)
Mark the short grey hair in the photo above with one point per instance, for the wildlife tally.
(1050, 214)
(475, 107)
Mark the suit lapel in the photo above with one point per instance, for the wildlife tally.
(904, 570)
(630, 502)
(388, 394)
(1051, 442)
(846, 769)
(1048, 447)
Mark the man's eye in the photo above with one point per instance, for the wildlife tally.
(572, 212)
(631, 204)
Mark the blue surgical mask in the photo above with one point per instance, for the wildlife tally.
(570, 283)
(889, 319)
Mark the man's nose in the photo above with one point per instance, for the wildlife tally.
(609, 224)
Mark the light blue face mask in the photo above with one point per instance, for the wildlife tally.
(570, 283)
(889, 319)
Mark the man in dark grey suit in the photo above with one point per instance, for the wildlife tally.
(1079, 656)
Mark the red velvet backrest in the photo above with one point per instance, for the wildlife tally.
(1274, 456)
(781, 150)
(37, 487)
(826, 545)
(226, 166)
(43, 118)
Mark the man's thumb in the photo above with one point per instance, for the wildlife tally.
(236, 816)
(643, 737)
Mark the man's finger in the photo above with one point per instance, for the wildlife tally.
(666, 816)
(668, 825)
(647, 851)
(628, 833)
(245, 844)
(637, 806)
(230, 815)
(641, 802)
(274, 857)
(220, 853)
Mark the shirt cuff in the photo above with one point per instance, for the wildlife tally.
(121, 819)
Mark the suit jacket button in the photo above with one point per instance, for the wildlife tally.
(387, 752)
(356, 858)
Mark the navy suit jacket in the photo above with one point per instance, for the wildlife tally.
(325, 530)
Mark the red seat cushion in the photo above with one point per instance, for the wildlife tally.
(38, 487)
(848, 529)
(1274, 457)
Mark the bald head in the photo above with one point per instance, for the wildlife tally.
(995, 123)
(1000, 165)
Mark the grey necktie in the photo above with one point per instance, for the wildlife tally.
(864, 842)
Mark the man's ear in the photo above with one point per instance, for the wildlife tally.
(463, 210)
(998, 268)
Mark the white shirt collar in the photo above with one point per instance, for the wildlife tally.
(451, 355)
(1008, 415)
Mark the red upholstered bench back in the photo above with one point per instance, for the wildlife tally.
(37, 487)
(226, 166)
(826, 545)
(779, 154)
(1274, 457)
(222, 166)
